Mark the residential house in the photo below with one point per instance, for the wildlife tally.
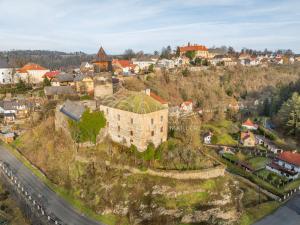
(249, 125)
(7, 137)
(102, 62)
(84, 84)
(186, 107)
(31, 73)
(63, 79)
(58, 92)
(9, 117)
(261, 140)
(86, 67)
(143, 63)
(52, 74)
(6, 72)
(166, 63)
(134, 118)
(200, 50)
(222, 60)
(286, 164)
(181, 61)
(15, 108)
(248, 139)
(124, 67)
(69, 110)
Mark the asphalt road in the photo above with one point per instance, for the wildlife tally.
(51, 201)
(288, 214)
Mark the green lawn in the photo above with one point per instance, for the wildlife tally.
(258, 162)
(271, 177)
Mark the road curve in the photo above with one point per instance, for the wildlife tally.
(52, 202)
(288, 214)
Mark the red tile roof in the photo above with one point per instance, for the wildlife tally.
(157, 98)
(249, 123)
(290, 157)
(30, 66)
(193, 48)
(52, 74)
(123, 63)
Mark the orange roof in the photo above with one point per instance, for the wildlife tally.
(123, 63)
(30, 66)
(290, 157)
(52, 74)
(249, 123)
(157, 98)
(188, 102)
(193, 48)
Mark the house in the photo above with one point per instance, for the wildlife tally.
(102, 87)
(7, 137)
(31, 73)
(6, 72)
(86, 67)
(19, 108)
(181, 61)
(9, 117)
(134, 118)
(84, 84)
(248, 139)
(57, 92)
(249, 125)
(123, 67)
(207, 138)
(286, 164)
(261, 140)
(200, 50)
(70, 110)
(63, 79)
(102, 62)
(52, 74)
(186, 107)
(166, 63)
(143, 63)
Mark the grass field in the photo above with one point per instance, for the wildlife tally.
(258, 162)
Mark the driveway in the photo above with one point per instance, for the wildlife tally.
(288, 214)
(50, 200)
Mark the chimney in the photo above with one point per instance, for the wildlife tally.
(189, 44)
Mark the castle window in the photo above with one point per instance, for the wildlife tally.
(161, 118)
(152, 133)
(119, 128)
(152, 121)
(131, 140)
(131, 133)
(131, 120)
(162, 129)
(119, 117)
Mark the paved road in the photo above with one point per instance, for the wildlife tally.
(288, 214)
(53, 202)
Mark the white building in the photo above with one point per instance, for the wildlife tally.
(6, 73)
(143, 64)
(31, 73)
(166, 63)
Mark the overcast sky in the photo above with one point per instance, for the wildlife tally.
(84, 25)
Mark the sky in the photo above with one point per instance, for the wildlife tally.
(148, 25)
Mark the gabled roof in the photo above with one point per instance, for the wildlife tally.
(123, 63)
(102, 56)
(59, 90)
(64, 77)
(30, 66)
(73, 110)
(51, 74)
(290, 157)
(80, 77)
(249, 123)
(193, 48)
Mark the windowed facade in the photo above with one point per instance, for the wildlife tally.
(119, 128)
(152, 133)
(131, 120)
(152, 121)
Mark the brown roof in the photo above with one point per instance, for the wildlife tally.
(102, 56)
(193, 48)
(158, 98)
(290, 157)
(30, 66)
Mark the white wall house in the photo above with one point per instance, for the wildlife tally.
(6, 73)
(143, 64)
(31, 73)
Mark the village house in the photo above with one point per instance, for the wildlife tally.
(248, 139)
(249, 125)
(143, 63)
(286, 164)
(124, 67)
(31, 73)
(222, 60)
(59, 92)
(51, 74)
(207, 138)
(134, 118)
(102, 62)
(7, 137)
(261, 140)
(186, 107)
(86, 67)
(12, 109)
(63, 79)
(200, 50)
(70, 110)
(181, 61)
(166, 63)
(84, 84)
(6, 72)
